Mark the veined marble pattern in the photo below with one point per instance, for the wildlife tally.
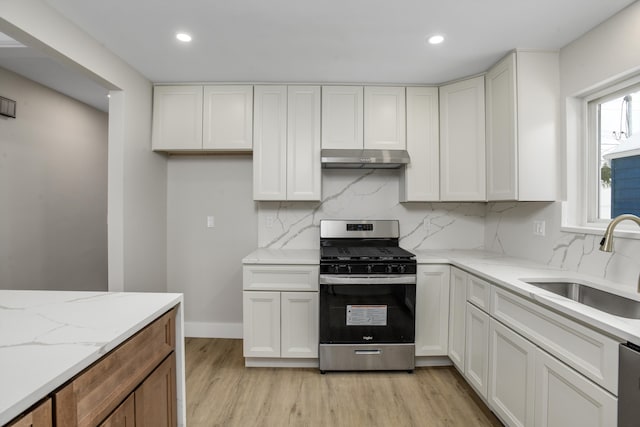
(509, 230)
(370, 194)
(47, 337)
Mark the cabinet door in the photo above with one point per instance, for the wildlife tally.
(457, 317)
(123, 416)
(261, 324)
(384, 118)
(538, 125)
(502, 155)
(476, 369)
(421, 179)
(342, 117)
(41, 416)
(228, 118)
(155, 399)
(511, 376)
(299, 329)
(177, 118)
(432, 310)
(270, 143)
(303, 143)
(462, 141)
(564, 397)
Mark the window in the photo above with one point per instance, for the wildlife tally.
(614, 153)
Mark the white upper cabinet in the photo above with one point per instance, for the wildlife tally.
(522, 127)
(270, 143)
(420, 181)
(384, 118)
(303, 143)
(177, 118)
(342, 117)
(202, 118)
(462, 141)
(228, 118)
(286, 148)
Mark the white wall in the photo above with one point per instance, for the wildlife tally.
(53, 190)
(205, 263)
(136, 176)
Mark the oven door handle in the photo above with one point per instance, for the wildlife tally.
(356, 279)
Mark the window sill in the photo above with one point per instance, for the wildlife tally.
(623, 231)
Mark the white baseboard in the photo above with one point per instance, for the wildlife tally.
(265, 362)
(212, 330)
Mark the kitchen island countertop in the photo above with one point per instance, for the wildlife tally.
(47, 337)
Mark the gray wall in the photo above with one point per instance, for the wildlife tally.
(205, 263)
(53, 190)
(137, 177)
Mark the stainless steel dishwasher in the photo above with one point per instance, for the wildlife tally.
(629, 385)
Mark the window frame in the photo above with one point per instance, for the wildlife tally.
(589, 150)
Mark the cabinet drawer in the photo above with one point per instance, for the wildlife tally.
(479, 293)
(587, 351)
(101, 388)
(280, 277)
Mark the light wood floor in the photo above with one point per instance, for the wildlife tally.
(222, 392)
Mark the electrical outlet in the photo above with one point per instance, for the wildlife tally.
(211, 222)
(269, 221)
(539, 228)
(427, 225)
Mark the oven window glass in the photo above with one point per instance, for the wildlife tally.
(367, 314)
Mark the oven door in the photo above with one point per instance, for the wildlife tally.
(360, 310)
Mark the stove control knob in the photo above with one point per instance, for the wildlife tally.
(402, 269)
(336, 268)
(369, 268)
(389, 268)
(348, 269)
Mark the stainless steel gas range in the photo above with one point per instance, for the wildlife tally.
(367, 297)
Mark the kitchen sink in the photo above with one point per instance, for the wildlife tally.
(596, 298)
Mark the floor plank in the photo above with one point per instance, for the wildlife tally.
(222, 392)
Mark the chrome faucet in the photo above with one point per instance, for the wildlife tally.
(606, 244)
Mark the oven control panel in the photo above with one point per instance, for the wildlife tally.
(368, 268)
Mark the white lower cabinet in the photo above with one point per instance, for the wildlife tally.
(457, 316)
(476, 363)
(432, 310)
(511, 376)
(529, 364)
(280, 324)
(261, 324)
(280, 312)
(299, 324)
(566, 398)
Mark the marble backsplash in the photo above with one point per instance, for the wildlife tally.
(509, 230)
(371, 194)
(505, 227)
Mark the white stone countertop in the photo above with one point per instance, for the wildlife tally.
(283, 256)
(509, 272)
(506, 272)
(47, 337)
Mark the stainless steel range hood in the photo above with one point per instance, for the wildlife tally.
(363, 159)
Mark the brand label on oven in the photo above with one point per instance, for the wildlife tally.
(366, 315)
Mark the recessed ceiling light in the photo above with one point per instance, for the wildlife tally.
(183, 37)
(436, 39)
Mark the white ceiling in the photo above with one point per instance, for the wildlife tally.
(342, 41)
